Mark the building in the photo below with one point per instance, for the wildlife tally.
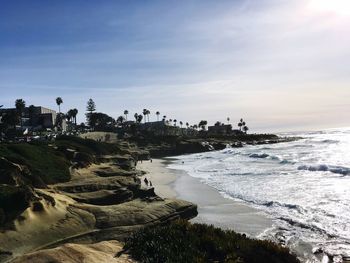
(220, 129)
(41, 117)
(158, 128)
(163, 128)
(35, 117)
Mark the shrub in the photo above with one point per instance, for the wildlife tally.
(86, 145)
(45, 165)
(182, 241)
(13, 201)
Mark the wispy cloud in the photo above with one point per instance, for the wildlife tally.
(277, 63)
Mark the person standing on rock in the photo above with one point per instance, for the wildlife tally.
(146, 181)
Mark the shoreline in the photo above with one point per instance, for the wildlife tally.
(213, 208)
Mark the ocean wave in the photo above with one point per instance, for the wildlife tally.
(271, 157)
(284, 161)
(270, 203)
(330, 141)
(285, 205)
(326, 168)
(259, 155)
(266, 148)
(325, 141)
(301, 146)
(230, 151)
(305, 225)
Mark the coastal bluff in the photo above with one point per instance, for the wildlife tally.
(80, 200)
(97, 197)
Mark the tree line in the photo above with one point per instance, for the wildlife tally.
(101, 120)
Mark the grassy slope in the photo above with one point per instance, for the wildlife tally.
(45, 165)
(50, 163)
(182, 241)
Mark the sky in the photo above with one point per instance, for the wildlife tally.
(282, 65)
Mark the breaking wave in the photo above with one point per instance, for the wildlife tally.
(325, 168)
(279, 179)
(259, 155)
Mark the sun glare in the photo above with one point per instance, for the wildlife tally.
(339, 7)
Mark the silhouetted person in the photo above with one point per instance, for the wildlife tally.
(150, 183)
(151, 160)
(146, 181)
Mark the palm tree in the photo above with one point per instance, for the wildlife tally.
(59, 119)
(245, 129)
(74, 115)
(139, 118)
(126, 112)
(136, 116)
(69, 115)
(31, 110)
(120, 119)
(181, 124)
(20, 106)
(228, 120)
(164, 118)
(202, 124)
(175, 122)
(187, 124)
(157, 113)
(148, 113)
(240, 124)
(144, 112)
(59, 101)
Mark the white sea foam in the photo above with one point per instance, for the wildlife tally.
(303, 185)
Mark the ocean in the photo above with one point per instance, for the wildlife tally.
(303, 185)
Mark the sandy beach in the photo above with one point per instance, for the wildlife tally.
(213, 208)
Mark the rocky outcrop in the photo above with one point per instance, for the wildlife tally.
(103, 197)
(100, 202)
(137, 213)
(118, 202)
(99, 183)
(102, 252)
(172, 146)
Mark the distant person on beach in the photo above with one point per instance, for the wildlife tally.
(151, 160)
(146, 181)
(150, 183)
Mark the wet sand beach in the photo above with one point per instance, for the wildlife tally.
(213, 208)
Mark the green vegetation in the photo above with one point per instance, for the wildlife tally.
(87, 146)
(182, 241)
(27, 165)
(13, 201)
(48, 164)
(59, 101)
(45, 164)
(20, 106)
(90, 108)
